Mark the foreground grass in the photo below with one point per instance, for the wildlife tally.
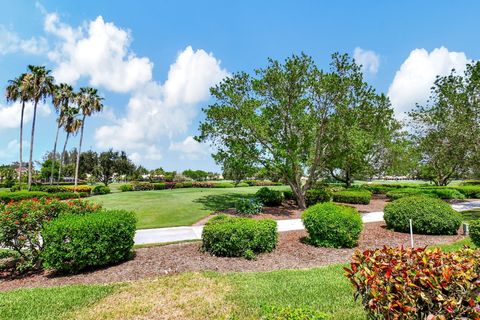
(177, 207)
(49, 303)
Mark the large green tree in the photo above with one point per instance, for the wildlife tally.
(447, 126)
(277, 116)
(111, 163)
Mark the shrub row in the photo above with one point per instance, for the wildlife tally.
(398, 283)
(332, 225)
(471, 183)
(353, 196)
(56, 189)
(314, 196)
(239, 237)
(7, 196)
(429, 216)
(442, 193)
(262, 183)
(269, 197)
(77, 242)
(145, 186)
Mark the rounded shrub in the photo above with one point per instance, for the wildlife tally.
(239, 237)
(76, 242)
(269, 197)
(101, 190)
(353, 196)
(332, 225)
(126, 187)
(248, 206)
(314, 196)
(474, 229)
(429, 216)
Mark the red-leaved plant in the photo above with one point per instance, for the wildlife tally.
(419, 283)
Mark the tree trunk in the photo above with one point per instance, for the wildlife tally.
(78, 154)
(20, 165)
(299, 194)
(61, 158)
(30, 160)
(54, 156)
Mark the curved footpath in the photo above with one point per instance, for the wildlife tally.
(164, 235)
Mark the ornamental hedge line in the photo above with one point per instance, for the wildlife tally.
(239, 237)
(77, 242)
(353, 196)
(314, 196)
(429, 216)
(442, 193)
(7, 196)
(269, 197)
(145, 186)
(332, 225)
(398, 283)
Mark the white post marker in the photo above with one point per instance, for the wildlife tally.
(411, 234)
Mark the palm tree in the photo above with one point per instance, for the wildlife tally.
(63, 95)
(40, 85)
(71, 124)
(17, 91)
(88, 102)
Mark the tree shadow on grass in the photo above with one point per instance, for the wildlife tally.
(221, 201)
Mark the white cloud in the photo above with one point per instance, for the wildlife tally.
(10, 115)
(164, 110)
(416, 75)
(369, 60)
(189, 148)
(97, 50)
(11, 149)
(10, 42)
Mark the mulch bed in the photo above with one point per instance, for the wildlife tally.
(291, 253)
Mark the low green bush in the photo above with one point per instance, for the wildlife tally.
(472, 192)
(269, 197)
(353, 196)
(142, 186)
(65, 195)
(242, 184)
(289, 195)
(126, 187)
(290, 313)
(223, 185)
(76, 242)
(471, 183)
(239, 237)
(100, 190)
(314, 196)
(429, 216)
(6, 196)
(332, 225)
(435, 192)
(248, 206)
(474, 229)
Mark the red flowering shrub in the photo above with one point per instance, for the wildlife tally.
(398, 283)
(21, 224)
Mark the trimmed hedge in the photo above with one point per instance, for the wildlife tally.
(471, 183)
(472, 192)
(248, 206)
(332, 225)
(435, 192)
(239, 237)
(6, 196)
(126, 187)
(353, 196)
(429, 216)
(100, 190)
(76, 242)
(474, 230)
(314, 196)
(269, 197)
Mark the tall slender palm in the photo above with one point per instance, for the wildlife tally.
(17, 91)
(40, 86)
(88, 102)
(71, 124)
(62, 96)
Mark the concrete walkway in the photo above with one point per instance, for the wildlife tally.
(164, 235)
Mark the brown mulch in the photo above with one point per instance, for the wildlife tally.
(291, 253)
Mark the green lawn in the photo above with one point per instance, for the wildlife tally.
(49, 303)
(177, 207)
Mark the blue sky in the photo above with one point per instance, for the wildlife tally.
(153, 61)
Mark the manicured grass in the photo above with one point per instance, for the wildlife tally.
(456, 245)
(177, 207)
(49, 303)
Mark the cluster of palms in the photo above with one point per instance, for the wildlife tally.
(37, 85)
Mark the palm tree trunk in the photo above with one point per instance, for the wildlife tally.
(20, 165)
(61, 158)
(78, 153)
(30, 160)
(54, 155)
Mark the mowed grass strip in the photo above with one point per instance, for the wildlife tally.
(50, 303)
(177, 207)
